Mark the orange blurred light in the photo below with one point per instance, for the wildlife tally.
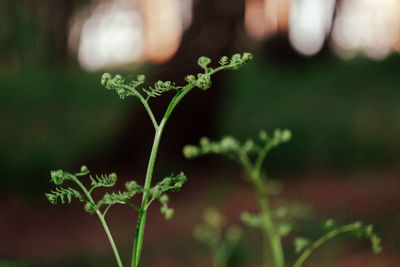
(163, 28)
(264, 18)
(114, 33)
(254, 18)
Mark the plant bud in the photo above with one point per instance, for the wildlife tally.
(89, 208)
(105, 78)
(190, 151)
(131, 186)
(203, 81)
(286, 135)
(57, 177)
(141, 78)
(203, 62)
(84, 169)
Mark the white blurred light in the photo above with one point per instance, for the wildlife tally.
(370, 26)
(112, 35)
(309, 24)
(115, 33)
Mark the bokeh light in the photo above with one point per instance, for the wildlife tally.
(122, 32)
(164, 27)
(369, 26)
(112, 35)
(310, 22)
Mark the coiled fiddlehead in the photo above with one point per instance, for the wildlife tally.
(104, 180)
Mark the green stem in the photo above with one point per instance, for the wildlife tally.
(270, 232)
(269, 228)
(347, 228)
(141, 223)
(143, 210)
(103, 223)
(145, 104)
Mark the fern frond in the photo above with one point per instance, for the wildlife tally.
(63, 194)
(224, 60)
(159, 88)
(115, 198)
(230, 146)
(171, 183)
(104, 180)
(139, 80)
(59, 176)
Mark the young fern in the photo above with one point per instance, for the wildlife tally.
(149, 194)
(242, 153)
(214, 234)
(251, 155)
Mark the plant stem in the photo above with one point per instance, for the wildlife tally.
(141, 223)
(145, 104)
(323, 239)
(269, 227)
(103, 223)
(137, 247)
(110, 238)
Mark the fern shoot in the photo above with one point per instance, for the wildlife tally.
(85, 183)
(250, 155)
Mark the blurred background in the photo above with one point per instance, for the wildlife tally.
(328, 70)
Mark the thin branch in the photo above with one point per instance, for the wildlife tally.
(145, 104)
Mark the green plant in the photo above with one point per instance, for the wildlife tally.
(219, 240)
(251, 155)
(149, 193)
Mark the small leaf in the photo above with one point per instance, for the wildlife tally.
(90, 208)
(115, 198)
(213, 218)
(284, 229)
(224, 60)
(104, 180)
(300, 243)
(84, 169)
(63, 195)
(253, 220)
(286, 135)
(164, 199)
(329, 224)
(168, 213)
(159, 88)
(132, 186)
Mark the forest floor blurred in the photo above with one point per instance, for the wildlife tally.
(45, 235)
